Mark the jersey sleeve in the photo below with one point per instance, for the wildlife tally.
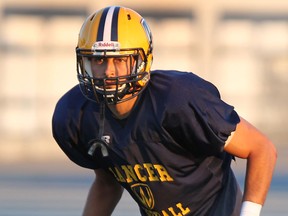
(197, 118)
(65, 130)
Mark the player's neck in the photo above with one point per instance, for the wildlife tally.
(122, 110)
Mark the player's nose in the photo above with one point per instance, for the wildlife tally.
(110, 68)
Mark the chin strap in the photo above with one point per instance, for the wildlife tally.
(102, 120)
(100, 142)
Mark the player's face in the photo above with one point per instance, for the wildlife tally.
(110, 67)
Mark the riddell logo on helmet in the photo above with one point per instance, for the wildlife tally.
(107, 45)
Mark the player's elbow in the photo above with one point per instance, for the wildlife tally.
(273, 151)
(266, 151)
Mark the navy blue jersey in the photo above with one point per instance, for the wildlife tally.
(168, 153)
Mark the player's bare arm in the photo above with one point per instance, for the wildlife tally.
(104, 195)
(248, 143)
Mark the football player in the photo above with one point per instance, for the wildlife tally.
(165, 136)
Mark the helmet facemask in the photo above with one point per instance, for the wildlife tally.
(116, 89)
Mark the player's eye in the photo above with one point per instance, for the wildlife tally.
(121, 59)
(98, 61)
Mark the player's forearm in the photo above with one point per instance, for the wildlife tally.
(102, 199)
(260, 167)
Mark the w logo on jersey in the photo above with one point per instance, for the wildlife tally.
(144, 194)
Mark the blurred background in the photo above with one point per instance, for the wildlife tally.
(240, 46)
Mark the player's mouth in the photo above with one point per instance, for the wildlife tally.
(111, 86)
